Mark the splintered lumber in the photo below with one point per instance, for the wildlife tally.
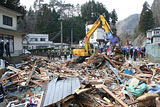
(145, 97)
(79, 91)
(37, 83)
(12, 76)
(114, 96)
(39, 104)
(130, 76)
(31, 73)
(110, 61)
(13, 69)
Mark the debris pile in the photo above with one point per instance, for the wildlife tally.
(100, 81)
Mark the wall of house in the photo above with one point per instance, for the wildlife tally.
(14, 20)
(149, 34)
(153, 52)
(38, 36)
(98, 34)
(18, 44)
(156, 39)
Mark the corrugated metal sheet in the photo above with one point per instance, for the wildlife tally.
(59, 89)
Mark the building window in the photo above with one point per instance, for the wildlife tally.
(33, 39)
(157, 32)
(43, 39)
(7, 20)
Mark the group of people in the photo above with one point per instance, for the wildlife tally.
(134, 52)
(4, 48)
(51, 54)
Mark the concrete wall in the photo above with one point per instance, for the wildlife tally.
(153, 52)
(17, 42)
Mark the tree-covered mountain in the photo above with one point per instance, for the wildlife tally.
(128, 25)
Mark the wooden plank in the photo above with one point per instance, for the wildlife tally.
(79, 91)
(31, 73)
(12, 76)
(114, 96)
(110, 61)
(130, 76)
(37, 83)
(39, 104)
(13, 69)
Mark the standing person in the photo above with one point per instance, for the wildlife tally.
(65, 55)
(70, 53)
(1, 48)
(141, 52)
(144, 51)
(131, 52)
(48, 54)
(127, 54)
(135, 54)
(7, 50)
(52, 54)
(124, 53)
(59, 55)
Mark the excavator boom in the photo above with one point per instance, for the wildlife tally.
(87, 51)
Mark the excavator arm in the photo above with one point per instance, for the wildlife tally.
(87, 51)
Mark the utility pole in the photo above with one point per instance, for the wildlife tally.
(61, 27)
(61, 36)
(71, 37)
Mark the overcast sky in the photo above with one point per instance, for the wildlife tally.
(124, 8)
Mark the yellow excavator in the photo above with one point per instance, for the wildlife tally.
(101, 21)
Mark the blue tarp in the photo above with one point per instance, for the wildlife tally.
(109, 36)
(114, 41)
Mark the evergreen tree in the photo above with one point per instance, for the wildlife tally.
(146, 19)
(14, 5)
(46, 20)
(78, 26)
(114, 17)
(91, 10)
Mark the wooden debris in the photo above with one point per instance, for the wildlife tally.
(113, 95)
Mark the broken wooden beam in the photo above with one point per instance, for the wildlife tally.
(110, 61)
(114, 96)
(79, 91)
(130, 76)
(30, 74)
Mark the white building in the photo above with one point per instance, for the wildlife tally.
(153, 36)
(98, 35)
(35, 41)
(8, 30)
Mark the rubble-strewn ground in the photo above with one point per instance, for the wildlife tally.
(104, 81)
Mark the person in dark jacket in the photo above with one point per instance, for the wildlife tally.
(131, 52)
(144, 51)
(1, 48)
(7, 50)
(124, 52)
(135, 54)
(127, 54)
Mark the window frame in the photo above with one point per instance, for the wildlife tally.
(7, 20)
